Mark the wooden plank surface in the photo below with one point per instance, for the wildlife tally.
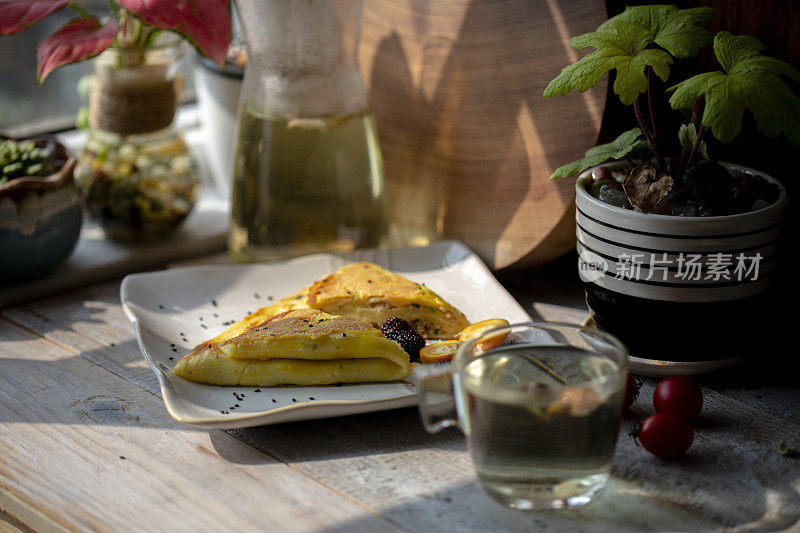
(389, 465)
(83, 449)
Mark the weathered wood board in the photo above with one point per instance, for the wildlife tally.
(384, 463)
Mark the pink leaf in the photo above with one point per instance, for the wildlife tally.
(205, 23)
(16, 15)
(77, 40)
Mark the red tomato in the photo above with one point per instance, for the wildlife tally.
(666, 435)
(679, 395)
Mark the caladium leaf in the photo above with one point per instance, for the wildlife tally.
(749, 80)
(205, 23)
(624, 48)
(671, 28)
(16, 15)
(77, 40)
(616, 149)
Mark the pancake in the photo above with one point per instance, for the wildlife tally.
(369, 293)
(298, 347)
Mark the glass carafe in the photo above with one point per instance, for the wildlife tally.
(308, 174)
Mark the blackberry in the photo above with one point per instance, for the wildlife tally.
(393, 325)
(402, 333)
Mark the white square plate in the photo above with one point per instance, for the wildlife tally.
(174, 310)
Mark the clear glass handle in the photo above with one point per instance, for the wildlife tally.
(437, 401)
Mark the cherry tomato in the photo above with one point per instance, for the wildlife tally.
(679, 395)
(666, 435)
(631, 392)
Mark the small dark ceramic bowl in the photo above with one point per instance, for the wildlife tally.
(40, 220)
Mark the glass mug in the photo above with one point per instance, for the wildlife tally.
(540, 406)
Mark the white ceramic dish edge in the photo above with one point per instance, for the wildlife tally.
(300, 411)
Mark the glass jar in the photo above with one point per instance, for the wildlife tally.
(135, 173)
(308, 173)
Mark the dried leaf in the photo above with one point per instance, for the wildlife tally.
(77, 40)
(205, 23)
(645, 188)
(17, 15)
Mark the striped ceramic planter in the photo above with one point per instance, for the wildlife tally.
(668, 286)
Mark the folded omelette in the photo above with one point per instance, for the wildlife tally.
(297, 347)
(367, 292)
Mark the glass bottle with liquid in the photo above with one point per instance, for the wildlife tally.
(308, 174)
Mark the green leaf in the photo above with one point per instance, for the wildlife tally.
(616, 149)
(687, 135)
(671, 28)
(624, 48)
(786, 450)
(749, 81)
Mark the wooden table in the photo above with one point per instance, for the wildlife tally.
(86, 444)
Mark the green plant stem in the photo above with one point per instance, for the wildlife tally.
(696, 147)
(656, 137)
(80, 10)
(640, 118)
(695, 115)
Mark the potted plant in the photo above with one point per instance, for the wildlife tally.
(40, 210)
(135, 173)
(677, 248)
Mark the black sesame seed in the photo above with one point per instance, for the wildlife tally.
(122, 457)
(112, 344)
(201, 319)
(269, 298)
(203, 326)
(161, 306)
(182, 334)
(236, 405)
(171, 358)
(175, 350)
(310, 397)
(256, 296)
(216, 315)
(294, 400)
(172, 345)
(274, 400)
(258, 390)
(213, 302)
(344, 335)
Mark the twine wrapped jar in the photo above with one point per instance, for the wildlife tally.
(135, 173)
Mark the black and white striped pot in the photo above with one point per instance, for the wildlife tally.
(674, 288)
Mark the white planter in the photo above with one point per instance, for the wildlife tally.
(645, 274)
(218, 102)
